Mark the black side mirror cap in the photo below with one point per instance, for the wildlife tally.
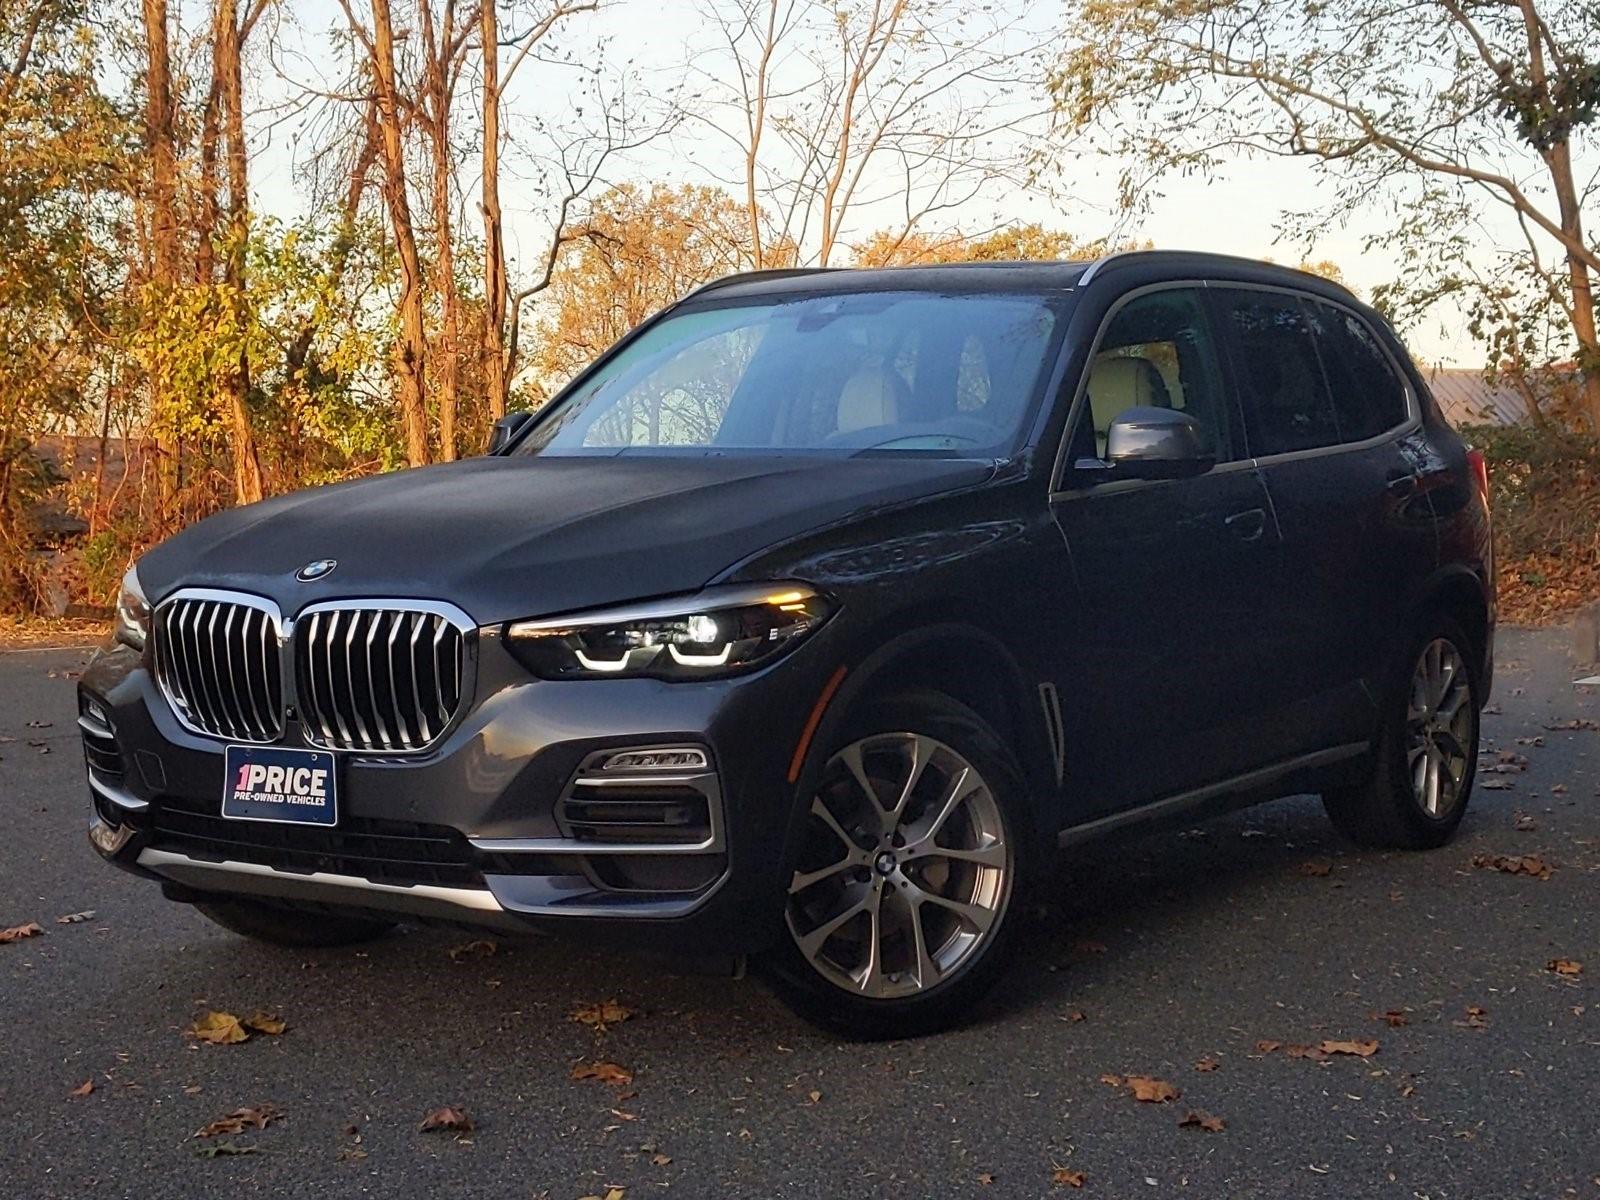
(1154, 443)
(506, 429)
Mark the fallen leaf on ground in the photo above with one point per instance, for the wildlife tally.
(17, 932)
(224, 1149)
(1150, 1090)
(1394, 1018)
(482, 948)
(218, 1028)
(240, 1120)
(1089, 946)
(83, 1089)
(1565, 966)
(1074, 1015)
(1573, 724)
(1525, 823)
(264, 1022)
(1559, 789)
(1062, 1177)
(603, 1015)
(661, 1160)
(1360, 1047)
(1198, 1119)
(76, 918)
(1207, 1064)
(1295, 1050)
(1476, 1018)
(986, 1179)
(1267, 1046)
(449, 1119)
(1515, 864)
(605, 1072)
(1495, 785)
(814, 1097)
(1316, 867)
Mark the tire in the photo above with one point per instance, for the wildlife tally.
(264, 922)
(1396, 807)
(899, 878)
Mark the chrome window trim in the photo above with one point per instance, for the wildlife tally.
(218, 596)
(1412, 422)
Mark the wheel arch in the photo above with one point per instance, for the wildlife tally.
(1459, 593)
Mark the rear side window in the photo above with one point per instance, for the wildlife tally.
(1284, 391)
(1368, 397)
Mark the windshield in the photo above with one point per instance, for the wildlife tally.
(880, 371)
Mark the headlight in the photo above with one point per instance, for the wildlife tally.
(133, 612)
(718, 632)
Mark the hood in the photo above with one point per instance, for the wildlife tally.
(526, 536)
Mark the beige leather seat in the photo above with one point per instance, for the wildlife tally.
(1118, 383)
(870, 397)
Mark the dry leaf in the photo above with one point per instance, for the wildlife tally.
(262, 1022)
(1074, 1015)
(1394, 1017)
(661, 1160)
(603, 1015)
(482, 948)
(1207, 1064)
(1559, 789)
(1477, 1018)
(1062, 1177)
(83, 1089)
(1361, 1047)
(1565, 966)
(1113, 1080)
(1524, 823)
(218, 1028)
(814, 1097)
(1198, 1119)
(17, 932)
(1574, 724)
(240, 1120)
(605, 1072)
(1267, 1046)
(1089, 946)
(1515, 864)
(1495, 785)
(76, 918)
(1294, 1050)
(449, 1119)
(986, 1179)
(1316, 867)
(1151, 1091)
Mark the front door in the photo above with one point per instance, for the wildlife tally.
(1160, 662)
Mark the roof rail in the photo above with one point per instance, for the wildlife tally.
(753, 276)
(1094, 267)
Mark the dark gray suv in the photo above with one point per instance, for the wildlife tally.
(812, 617)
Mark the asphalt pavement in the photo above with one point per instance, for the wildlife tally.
(1180, 956)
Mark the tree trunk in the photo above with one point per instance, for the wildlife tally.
(163, 225)
(447, 355)
(410, 346)
(236, 380)
(494, 247)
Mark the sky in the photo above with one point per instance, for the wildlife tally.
(667, 43)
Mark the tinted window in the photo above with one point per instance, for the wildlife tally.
(1157, 351)
(853, 372)
(1368, 397)
(1285, 395)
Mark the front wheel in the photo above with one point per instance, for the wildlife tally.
(1427, 751)
(903, 900)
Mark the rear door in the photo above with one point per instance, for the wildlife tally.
(1331, 423)
(1160, 663)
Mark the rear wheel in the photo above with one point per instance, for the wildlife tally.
(904, 894)
(1427, 751)
(265, 922)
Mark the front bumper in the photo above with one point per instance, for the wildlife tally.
(493, 827)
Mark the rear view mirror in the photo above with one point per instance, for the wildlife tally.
(506, 429)
(1155, 443)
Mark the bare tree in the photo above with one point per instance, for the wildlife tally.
(840, 112)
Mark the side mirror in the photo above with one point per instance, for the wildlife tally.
(1155, 443)
(506, 429)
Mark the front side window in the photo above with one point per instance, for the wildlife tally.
(1157, 351)
(882, 371)
(1284, 391)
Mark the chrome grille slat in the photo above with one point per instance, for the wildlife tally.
(208, 648)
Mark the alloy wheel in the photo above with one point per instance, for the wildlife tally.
(1439, 728)
(905, 869)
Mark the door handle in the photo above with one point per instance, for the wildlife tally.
(1248, 525)
(1401, 486)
